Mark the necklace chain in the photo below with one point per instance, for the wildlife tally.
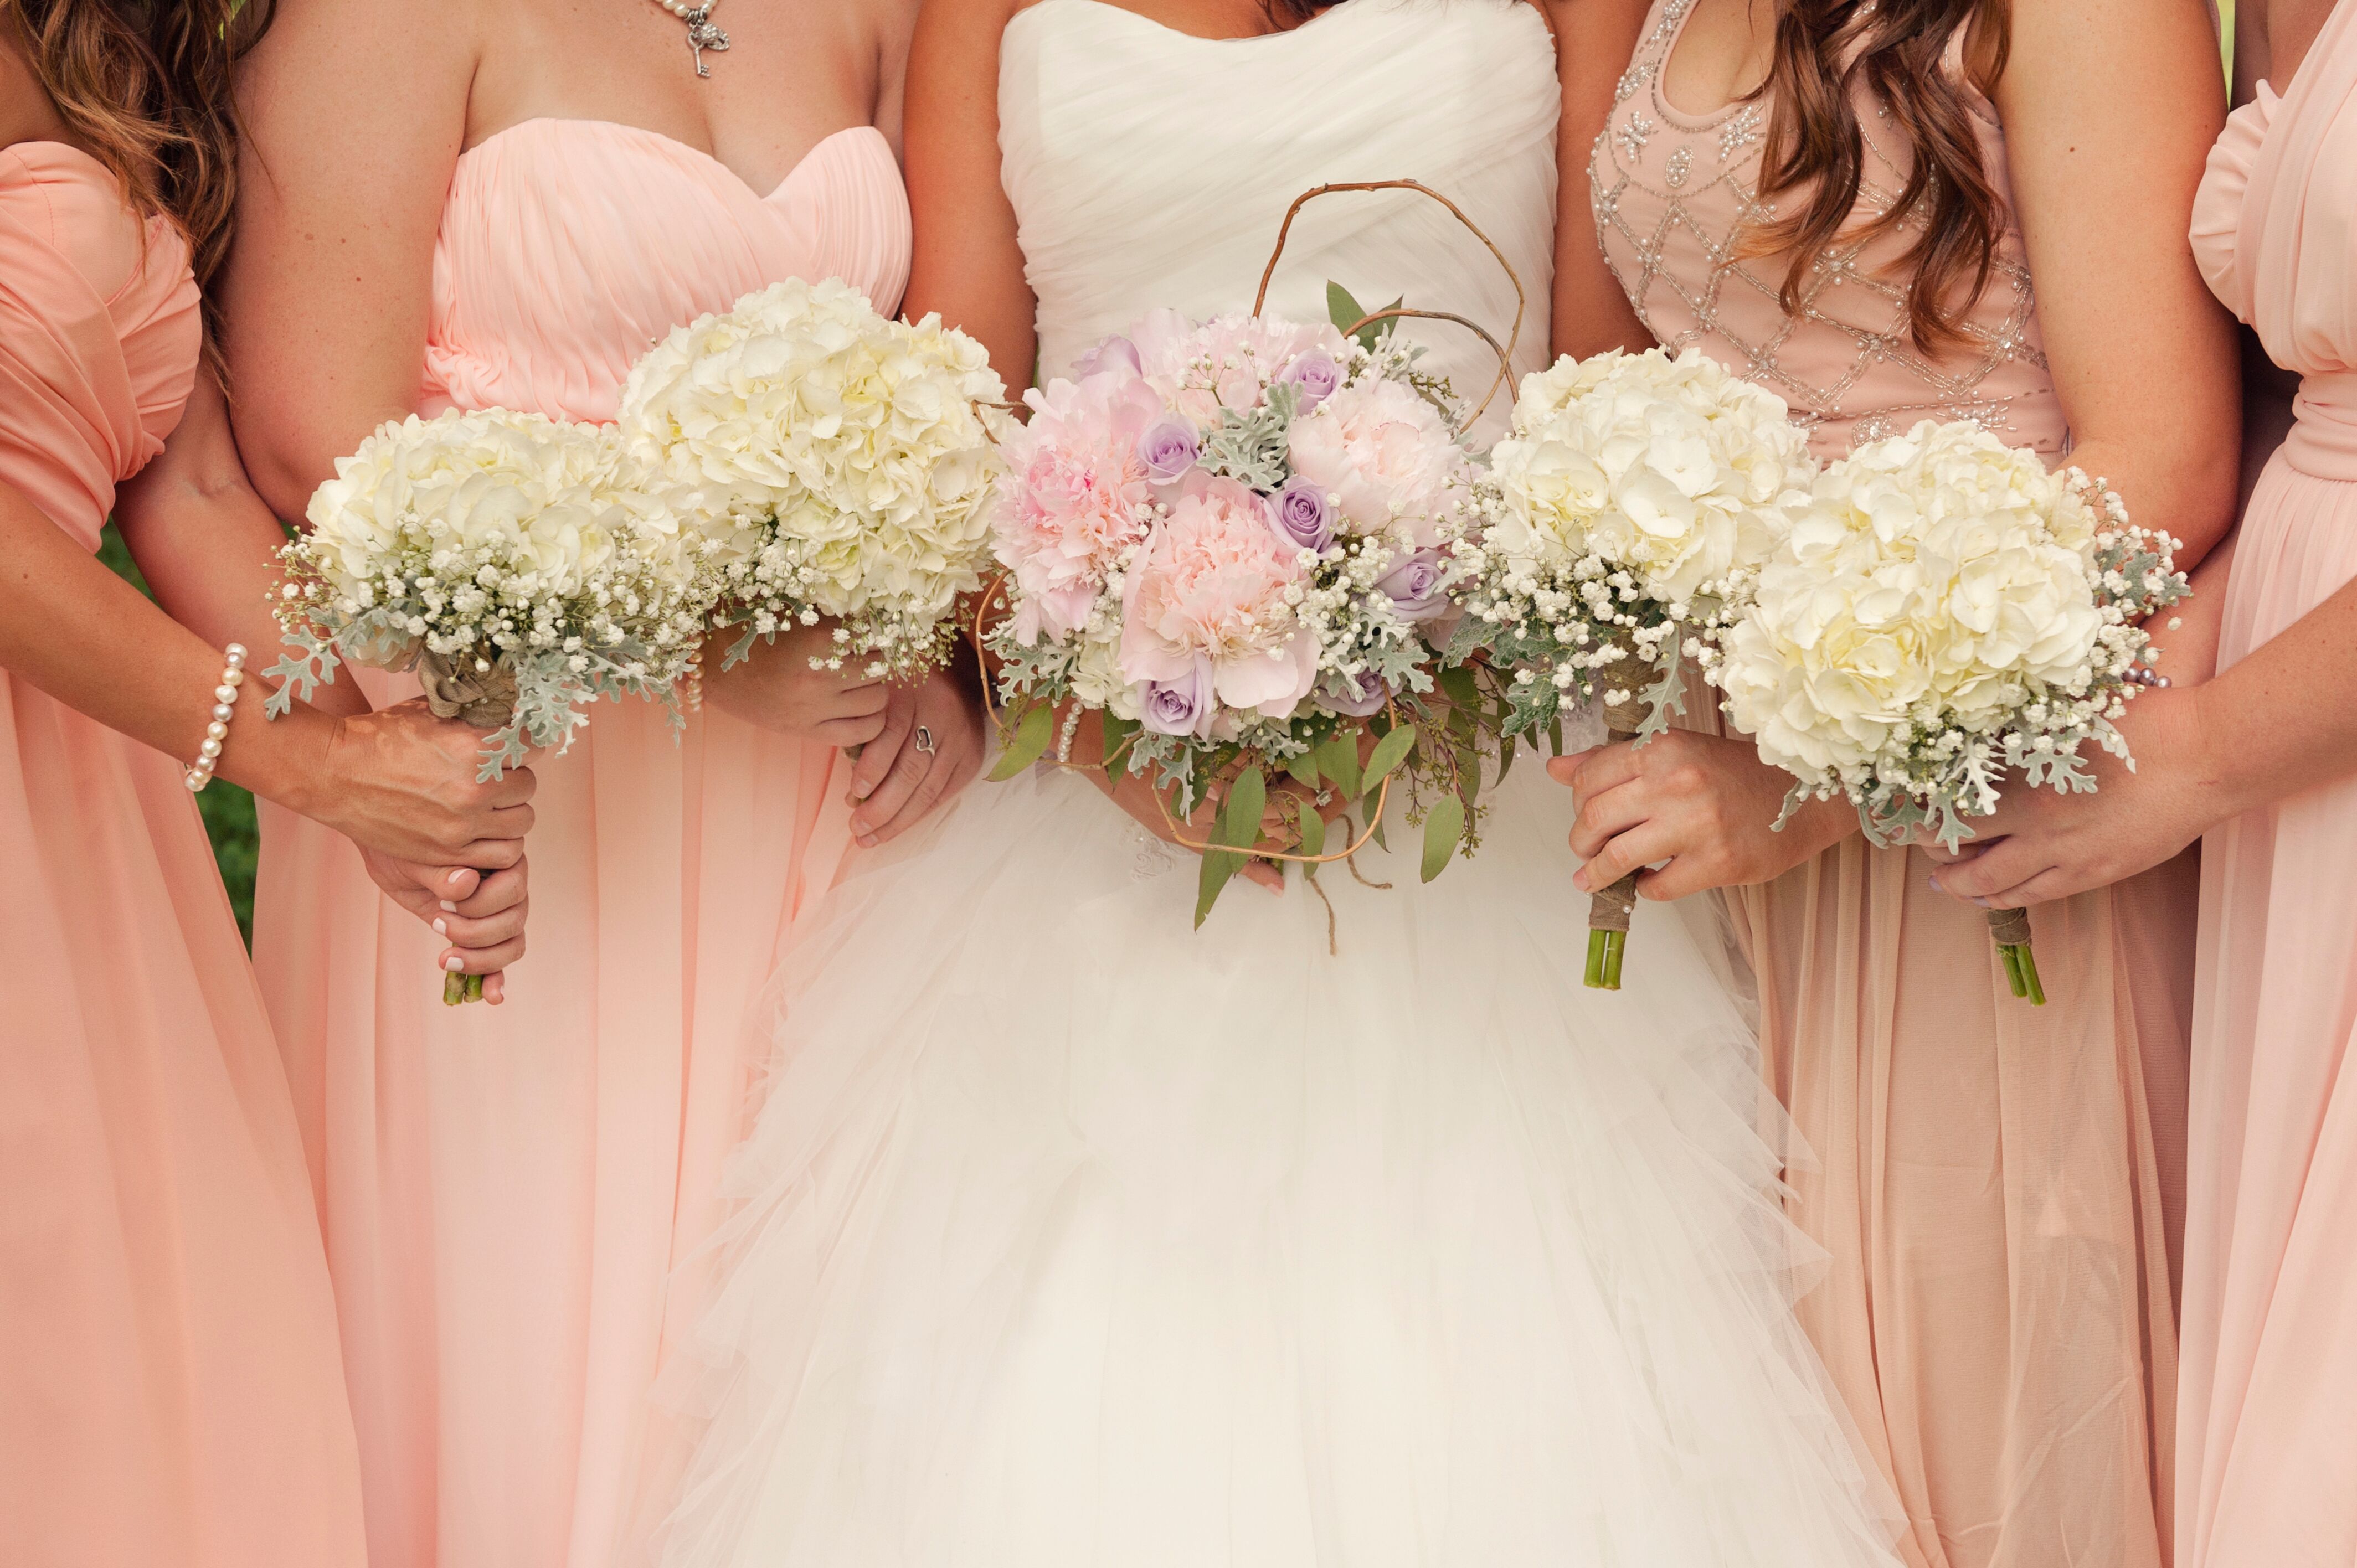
(702, 34)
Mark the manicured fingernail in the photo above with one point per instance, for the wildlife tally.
(1935, 880)
(1984, 903)
(861, 791)
(449, 907)
(454, 964)
(441, 928)
(868, 840)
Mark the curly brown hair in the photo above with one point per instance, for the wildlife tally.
(1897, 49)
(146, 86)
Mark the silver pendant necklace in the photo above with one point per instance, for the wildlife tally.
(702, 34)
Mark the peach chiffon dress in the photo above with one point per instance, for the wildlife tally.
(508, 1191)
(170, 1393)
(1994, 1181)
(2268, 1444)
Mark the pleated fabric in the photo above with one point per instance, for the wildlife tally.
(171, 1394)
(2268, 1441)
(508, 1191)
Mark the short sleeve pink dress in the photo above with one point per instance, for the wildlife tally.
(508, 1190)
(170, 1393)
(2268, 1439)
(1994, 1181)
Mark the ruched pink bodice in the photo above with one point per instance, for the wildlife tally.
(518, 322)
(511, 1193)
(2267, 1456)
(1673, 192)
(170, 1393)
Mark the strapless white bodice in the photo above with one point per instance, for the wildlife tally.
(1150, 168)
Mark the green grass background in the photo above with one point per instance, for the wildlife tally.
(228, 809)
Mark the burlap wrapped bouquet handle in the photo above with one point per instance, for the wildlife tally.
(2010, 929)
(485, 699)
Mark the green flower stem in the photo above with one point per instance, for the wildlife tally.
(1604, 950)
(2021, 968)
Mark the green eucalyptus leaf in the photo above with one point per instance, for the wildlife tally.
(1239, 826)
(1027, 744)
(1219, 866)
(1443, 826)
(1389, 753)
(1117, 731)
(1313, 830)
(1304, 769)
(1338, 760)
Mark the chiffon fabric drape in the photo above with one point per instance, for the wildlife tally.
(508, 1191)
(171, 1391)
(2269, 1439)
(1998, 1184)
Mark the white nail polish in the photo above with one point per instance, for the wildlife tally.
(454, 964)
(441, 928)
(449, 907)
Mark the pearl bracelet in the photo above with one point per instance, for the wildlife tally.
(200, 773)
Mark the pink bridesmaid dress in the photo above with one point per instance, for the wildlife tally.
(2267, 1437)
(171, 1391)
(509, 1191)
(1993, 1182)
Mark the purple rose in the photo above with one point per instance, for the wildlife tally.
(1303, 515)
(1169, 447)
(1316, 374)
(1184, 707)
(1414, 587)
(1355, 697)
(1114, 353)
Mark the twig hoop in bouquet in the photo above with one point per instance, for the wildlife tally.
(1357, 743)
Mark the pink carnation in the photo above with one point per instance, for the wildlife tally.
(1226, 362)
(1073, 498)
(1211, 585)
(1384, 453)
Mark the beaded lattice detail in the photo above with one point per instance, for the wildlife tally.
(1672, 197)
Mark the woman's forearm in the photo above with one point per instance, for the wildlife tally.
(74, 629)
(2281, 720)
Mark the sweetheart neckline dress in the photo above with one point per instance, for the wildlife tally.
(509, 1193)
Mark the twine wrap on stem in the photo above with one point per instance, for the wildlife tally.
(2009, 928)
(485, 699)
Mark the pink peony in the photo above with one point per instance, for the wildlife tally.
(1073, 496)
(1210, 584)
(1226, 362)
(1384, 453)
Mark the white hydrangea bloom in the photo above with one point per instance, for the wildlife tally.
(837, 460)
(1672, 469)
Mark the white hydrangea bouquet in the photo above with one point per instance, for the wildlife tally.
(1946, 611)
(497, 555)
(1231, 539)
(1625, 518)
(834, 462)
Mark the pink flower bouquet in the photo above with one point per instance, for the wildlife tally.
(1234, 541)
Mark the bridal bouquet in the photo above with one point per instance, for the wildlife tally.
(1232, 540)
(497, 554)
(834, 462)
(1625, 518)
(1946, 609)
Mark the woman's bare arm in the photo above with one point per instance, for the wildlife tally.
(355, 113)
(1594, 39)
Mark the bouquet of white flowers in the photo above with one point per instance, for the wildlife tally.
(494, 553)
(834, 462)
(1232, 540)
(1625, 518)
(1946, 609)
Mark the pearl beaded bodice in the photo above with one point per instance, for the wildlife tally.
(1672, 194)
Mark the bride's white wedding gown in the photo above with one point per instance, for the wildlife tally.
(1071, 1235)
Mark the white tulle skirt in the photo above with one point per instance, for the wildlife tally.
(1070, 1235)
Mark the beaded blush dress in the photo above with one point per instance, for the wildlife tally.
(1994, 1181)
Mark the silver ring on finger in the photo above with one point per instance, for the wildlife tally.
(925, 740)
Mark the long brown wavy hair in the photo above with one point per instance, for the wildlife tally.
(1897, 49)
(146, 84)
